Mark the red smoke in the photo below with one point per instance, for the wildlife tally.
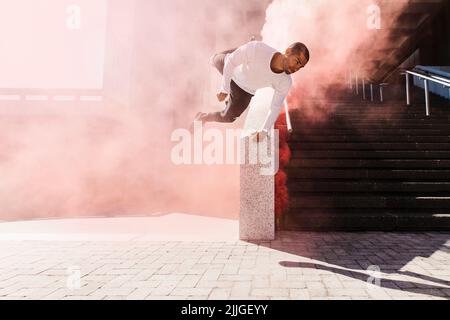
(281, 191)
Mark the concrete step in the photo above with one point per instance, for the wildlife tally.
(364, 174)
(383, 115)
(369, 154)
(333, 123)
(379, 146)
(365, 220)
(423, 188)
(376, 163)
(304, 131)
(369, 116)
(387, 109)
(379, 119)
(372, 201)
(437, 108)
(371, 127)
(296, 138)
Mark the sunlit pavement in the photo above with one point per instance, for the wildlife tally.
(178, 256)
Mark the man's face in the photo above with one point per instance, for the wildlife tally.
(294, 62)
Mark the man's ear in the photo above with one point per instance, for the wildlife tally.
(288, 51)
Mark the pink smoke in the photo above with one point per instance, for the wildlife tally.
(339, 40)
(113, 158)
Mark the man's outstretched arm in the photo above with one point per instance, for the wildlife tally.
(276, 106)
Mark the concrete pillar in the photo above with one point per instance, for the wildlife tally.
(257, 190)
(257, 182)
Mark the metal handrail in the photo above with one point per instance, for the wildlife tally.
(370, 83)
(288, 117)
(426, 79)
(382, 85)
(442, 79)
(431, 78)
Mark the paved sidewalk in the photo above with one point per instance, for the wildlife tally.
(295, 266)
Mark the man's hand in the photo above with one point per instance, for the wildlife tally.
(222, 96)
(261, 135)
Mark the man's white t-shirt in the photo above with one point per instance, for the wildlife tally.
(249, 68)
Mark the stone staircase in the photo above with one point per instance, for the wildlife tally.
(370, 167)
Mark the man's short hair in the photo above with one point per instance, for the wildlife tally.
(298, 47)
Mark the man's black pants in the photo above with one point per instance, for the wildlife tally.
(238, 99)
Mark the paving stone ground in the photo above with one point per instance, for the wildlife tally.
(295, 266)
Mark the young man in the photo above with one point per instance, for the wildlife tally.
(253, 66)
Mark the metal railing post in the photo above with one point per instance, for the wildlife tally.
(350, 80)
(357, 84)
(427, 98)
(288, 117)
(426, 78)
(371, 92)
(381, 93)
(408, 98)
(364, 88)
